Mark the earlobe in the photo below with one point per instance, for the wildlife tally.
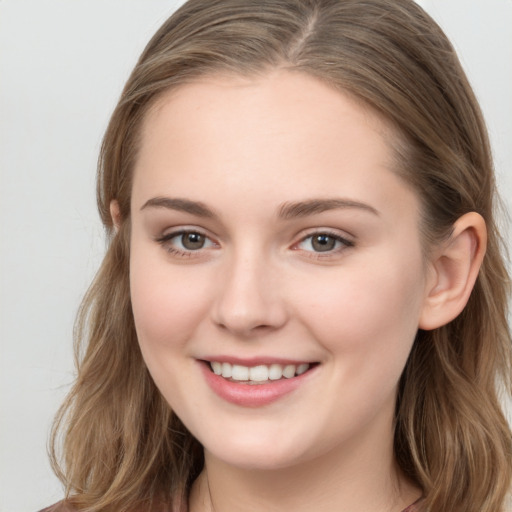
(115, 214)
(454, 270)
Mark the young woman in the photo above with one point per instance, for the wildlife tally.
(303, 304)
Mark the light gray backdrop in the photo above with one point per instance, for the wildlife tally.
(62, 66)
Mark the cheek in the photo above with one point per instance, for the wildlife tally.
(167, 301)
(369, 314)
(367, 323)
(167, 306)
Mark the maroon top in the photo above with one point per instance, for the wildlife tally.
(414, 507)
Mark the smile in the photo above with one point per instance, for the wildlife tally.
(257, 383)
(259, 374)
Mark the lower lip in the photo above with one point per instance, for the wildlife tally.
(252, 395)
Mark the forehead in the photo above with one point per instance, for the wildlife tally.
(283, 92)
(282, 134)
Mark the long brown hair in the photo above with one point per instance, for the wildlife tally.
(122, 446)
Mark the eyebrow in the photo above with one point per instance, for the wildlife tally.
(315, 206)
(286, 211)
(183, 205)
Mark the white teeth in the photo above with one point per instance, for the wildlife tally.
(275, 372)
(302, 368)
(260, 373)
(239, 372)
(289, 371)
(227, 370)
(216, 367)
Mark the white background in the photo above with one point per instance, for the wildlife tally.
(62, 66)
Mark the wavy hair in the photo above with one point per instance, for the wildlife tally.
(121, 447)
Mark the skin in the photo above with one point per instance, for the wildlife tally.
(259, 288)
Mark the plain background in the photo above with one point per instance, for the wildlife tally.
(62, 66)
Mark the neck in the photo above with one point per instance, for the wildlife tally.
(344, 480)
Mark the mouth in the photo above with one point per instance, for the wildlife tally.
(256, 383)
(258, 374)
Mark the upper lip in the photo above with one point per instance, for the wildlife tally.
(254, 361)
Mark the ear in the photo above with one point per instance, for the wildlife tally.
(454, 269)
(115, 213)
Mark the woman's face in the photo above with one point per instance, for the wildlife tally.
(273, 244)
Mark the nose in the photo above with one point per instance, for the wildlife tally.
(250, 298)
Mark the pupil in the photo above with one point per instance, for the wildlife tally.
(322, 243)
(193, 241)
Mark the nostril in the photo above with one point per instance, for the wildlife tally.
(246, 303)
(246, 330)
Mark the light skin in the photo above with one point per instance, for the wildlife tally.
(267, 222)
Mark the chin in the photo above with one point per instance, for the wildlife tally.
(256, 460)
(257, 451)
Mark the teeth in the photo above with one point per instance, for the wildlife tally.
(289, 371)
(227, 370)
(260, 373)
(216, 367)
(238, 372)
(302, 368)
(275, 372)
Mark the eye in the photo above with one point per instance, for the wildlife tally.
(184, 242)
(323, 242)
(191, 241)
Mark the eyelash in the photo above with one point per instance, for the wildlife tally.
(344, 244)
(165, 241)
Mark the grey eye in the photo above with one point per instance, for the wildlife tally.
(323, 242)
(192, 241)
